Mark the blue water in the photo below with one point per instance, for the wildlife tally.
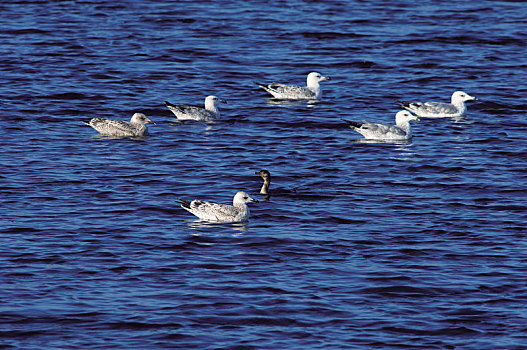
(362, 245)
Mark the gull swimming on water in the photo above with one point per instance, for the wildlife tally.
(293, 92)
(187, 112)
(454, 109)
(209, 211)
(375, 131)
(135, 127)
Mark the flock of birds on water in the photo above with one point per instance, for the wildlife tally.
(239, 211)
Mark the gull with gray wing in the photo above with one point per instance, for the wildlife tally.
(188, 112)
(312, 91)
(376, 131)
(455, 109)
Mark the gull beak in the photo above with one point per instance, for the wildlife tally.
(223, 101)
(150, 121)
(326, 78)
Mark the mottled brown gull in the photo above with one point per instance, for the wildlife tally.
(108, 127)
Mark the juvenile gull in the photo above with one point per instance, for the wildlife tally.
(293, 92)
(454, 109)
(375, 131)
(108, 127)
(209, 211)
(187, 112)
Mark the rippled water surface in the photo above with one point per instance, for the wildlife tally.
(362, 245)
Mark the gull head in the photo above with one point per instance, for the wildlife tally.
(242, 198)
(265, 174)
(212, 100)
(140, 118)
(461, 96)
(404, 116)
(314, 78)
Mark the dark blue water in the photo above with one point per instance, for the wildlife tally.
(417, 245)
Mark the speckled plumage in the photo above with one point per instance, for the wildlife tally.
(216, 212)
(135, 127)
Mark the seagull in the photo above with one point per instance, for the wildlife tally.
(187, 112)
(293, 92)
(108, 127)
(209, 211)
(266, 176)
(454, 109)
(375, 131)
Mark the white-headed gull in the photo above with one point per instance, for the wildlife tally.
(209, 211)
(293, 92)
(454, 109)
(135, 127)
(187, 112)
(374, 131)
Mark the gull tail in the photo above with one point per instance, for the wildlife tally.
(404, 104)
(352, 124)
(175, 109)
(184, 203)
(87, 122)
(263, 86)
(170, 105)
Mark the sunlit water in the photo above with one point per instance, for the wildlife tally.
(362, 245)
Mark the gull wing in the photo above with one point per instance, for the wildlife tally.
(439, 108)
(288, 91)
(211, 211)
(112, 127)
(182, 111)
(376, 130)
